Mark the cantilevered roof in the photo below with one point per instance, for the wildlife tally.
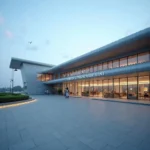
(16, 63)
(125, 45)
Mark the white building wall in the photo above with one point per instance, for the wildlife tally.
(29, 76)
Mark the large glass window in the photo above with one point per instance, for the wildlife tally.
(70, 88)
(39, 77)
(83, 70)
(116, 88)
(95, 92)
(87, 70)
(86, 88)
(143, 89)
(143, 57)
(79, 71)
(132, 60)
(79, 88)
(43, 77)
(132, 88)
(99, 88)
(110, 88)
(95, 68)
(91, 87)
(82, 88)
(104, 66)
(110, 65)
(123, 62)
(100, 67)
(75, 88)
(91, 69)
(115, 63)
(48, 77)
(105, 88)
(123, 88)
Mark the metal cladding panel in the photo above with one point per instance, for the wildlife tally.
(29, 75)
(143, 67)
(16, 63)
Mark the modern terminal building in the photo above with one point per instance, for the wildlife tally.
(118, 70)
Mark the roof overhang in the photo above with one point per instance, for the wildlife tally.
(16, 63)
(129, 44)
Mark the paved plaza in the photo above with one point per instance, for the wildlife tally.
(56, 123)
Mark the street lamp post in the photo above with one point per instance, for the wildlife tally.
(25, 87)
(12, 80)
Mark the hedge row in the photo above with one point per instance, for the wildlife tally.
(11, 98)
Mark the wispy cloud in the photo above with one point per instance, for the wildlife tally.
(8, 34)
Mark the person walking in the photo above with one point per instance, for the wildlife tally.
(67, 92)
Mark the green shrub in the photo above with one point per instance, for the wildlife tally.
(12, 97)
(59, 91)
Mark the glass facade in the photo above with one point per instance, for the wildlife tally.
(143, 57)
(105, 66)
(132, 60)
(122, 62)
(115, 63)
(122, 88)
(143, 88)
(135, 87)
(44, 77)
(132, 88)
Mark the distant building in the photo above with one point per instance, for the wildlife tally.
(118, 70)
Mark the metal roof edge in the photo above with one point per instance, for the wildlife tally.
(115, 43)
(21, 61)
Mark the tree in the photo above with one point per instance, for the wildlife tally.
(17, 88)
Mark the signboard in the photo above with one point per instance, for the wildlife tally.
(84, 76)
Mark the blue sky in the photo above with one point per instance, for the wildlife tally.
(63, 29)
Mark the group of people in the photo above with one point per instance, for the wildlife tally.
(66, 93)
